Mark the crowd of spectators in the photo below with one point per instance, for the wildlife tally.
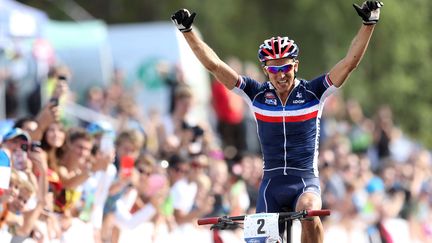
(148, 177)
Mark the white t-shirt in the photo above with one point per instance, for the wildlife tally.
(183, 195)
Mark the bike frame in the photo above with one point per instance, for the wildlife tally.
(225, 222)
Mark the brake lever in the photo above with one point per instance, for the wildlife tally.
(225, 223)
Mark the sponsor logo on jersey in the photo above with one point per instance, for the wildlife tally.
(269, 95)
(270, 101)
(298, 101)
(270, 98)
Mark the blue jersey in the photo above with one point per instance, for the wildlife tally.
(288, 133)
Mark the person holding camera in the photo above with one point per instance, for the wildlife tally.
(177, 133)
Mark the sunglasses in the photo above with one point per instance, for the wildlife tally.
(276, 69)
(144, 172)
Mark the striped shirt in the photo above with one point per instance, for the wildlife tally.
(289, 134)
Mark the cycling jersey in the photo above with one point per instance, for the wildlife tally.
(288, 133)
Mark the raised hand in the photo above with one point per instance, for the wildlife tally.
(183, 19)
(369, 11)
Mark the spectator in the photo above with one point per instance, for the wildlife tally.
(52, 142)
(176, 133)
(184, 191)
(128, 144)
(383, 131)
(96, 187)
(30, 216)
(74, 168)
(229, 109)
(95, 99)
(28, 124)
(219, 177)
(15, 145)
(143, 203)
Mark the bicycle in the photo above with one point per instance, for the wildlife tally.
(262, 227)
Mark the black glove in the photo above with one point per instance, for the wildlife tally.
(369, 11)
(183, 20)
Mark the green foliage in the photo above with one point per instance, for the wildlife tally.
(394, 71)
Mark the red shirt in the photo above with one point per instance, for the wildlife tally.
(227, 105)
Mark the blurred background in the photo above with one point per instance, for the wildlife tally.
(127, 64)
(122, 34)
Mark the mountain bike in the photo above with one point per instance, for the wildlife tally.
(262, 227)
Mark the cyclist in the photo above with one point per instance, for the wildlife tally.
(287, 111)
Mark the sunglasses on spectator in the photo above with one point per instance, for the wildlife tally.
(144, 171)
(283, 68)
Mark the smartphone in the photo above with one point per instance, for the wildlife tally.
(127, 164)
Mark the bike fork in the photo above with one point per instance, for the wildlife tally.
(288, 227)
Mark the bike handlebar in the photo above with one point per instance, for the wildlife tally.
(322, 212)
(284, 215)
(204, 221)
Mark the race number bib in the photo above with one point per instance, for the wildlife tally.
(261, 228)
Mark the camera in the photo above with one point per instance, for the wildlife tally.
(34, 145)
(26, 147)
(197, 131)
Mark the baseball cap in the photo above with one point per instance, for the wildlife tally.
(100, 127)
(375, 184)
(16, 132)
(5, 126)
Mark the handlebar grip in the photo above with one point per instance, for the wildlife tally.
(323, 212)
(213, 220)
